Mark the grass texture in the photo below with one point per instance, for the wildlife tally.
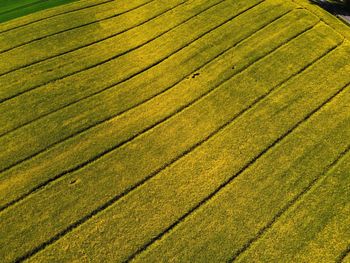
(174, 131)
(11, 9)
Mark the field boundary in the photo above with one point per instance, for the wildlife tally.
(332, 21)
(69, 29)
(42, 12)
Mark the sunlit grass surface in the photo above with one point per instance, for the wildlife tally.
(175, 131)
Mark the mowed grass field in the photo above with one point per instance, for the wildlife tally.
(10, 9)
(175, 131)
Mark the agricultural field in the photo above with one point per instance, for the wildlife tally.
(10, 9)
(174, 131)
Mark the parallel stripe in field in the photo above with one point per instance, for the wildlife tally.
(129, 108)
(291, 203)
(95, 158)
(23, 6)
(84, 46)
(70, 29)
(112, 58)
(133, 74)
(285, 157)
(276, 140)
(246, 166)
(113, 200)
(119, 55)
(58, 14)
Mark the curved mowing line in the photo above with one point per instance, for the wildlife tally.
(229, 180)
(70, 29)
(23, 6)
(113, 116)
(150, 127)
(289, 205)
(343, 255)
(133, 74)
(127, 191)
(63, 13)
(97, 41)
(81, 47)
(98, 92)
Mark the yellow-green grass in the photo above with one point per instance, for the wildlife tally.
(346, 256)
(316, 229)
(10, 9)
(208, 131)
(73, 20)
(100, 52)
(153, 207)
(126, 93)
(57, 44)
(138, 119)
(243, 210)
(61, 93)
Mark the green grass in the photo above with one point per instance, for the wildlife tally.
(52, 13)
(175, 131)
(11, 9)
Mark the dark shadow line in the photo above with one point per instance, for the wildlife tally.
(343, 255)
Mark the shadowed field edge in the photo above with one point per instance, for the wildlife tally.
(84, 46)
(23, 6)
(54, 15)
(343, 255)
(67, 30)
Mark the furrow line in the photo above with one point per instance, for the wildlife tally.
(164, 91)
(134, 74)
(343, 255)
(98, 41)
(23, 6)
(142, 182)
(70, 29)
(290, 204)
(246, 166)
(48, 17)
(95, 158)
